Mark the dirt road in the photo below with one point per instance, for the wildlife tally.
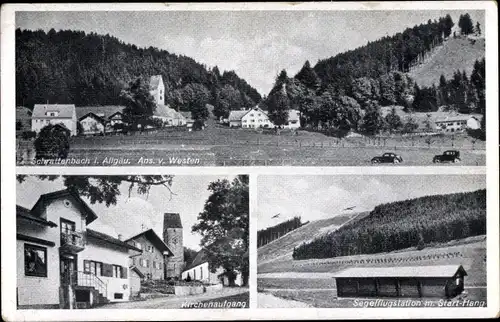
(174, 302)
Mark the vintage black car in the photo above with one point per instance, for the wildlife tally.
(447, 156)
(388, 157)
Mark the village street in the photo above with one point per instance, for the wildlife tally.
(174, 302)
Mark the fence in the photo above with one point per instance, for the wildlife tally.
(197, 138)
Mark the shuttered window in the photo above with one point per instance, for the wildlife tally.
(107, 270)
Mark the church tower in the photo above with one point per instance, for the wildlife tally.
(157, 89)
(172, 236)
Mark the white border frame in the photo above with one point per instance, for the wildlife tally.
(9, 311)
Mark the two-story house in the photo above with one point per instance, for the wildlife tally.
(255, 118)
(45, 114)
(151, 262)
(458, 123)
(100, 119)
(258, 118)
(63, 264)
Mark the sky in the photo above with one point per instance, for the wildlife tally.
(320, 197)
(257, 45)
(129, 214)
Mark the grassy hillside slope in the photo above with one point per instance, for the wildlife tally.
(458, 53)
(282, 248)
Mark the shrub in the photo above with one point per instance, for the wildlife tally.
(27, 135)
(52, 142)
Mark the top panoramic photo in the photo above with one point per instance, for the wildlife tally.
(250, 88)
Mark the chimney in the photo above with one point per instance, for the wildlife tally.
(120, 237)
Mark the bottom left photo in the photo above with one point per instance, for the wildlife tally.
(132, 241)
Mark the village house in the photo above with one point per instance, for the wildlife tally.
(61, 263)
(199, 270)
(255, 118)
(235, 118)
(169, 116)
(258, 118)
(151, 262)
(45, 114)
(100, 119)
(458, 123)
(189, 118)
(443, 281)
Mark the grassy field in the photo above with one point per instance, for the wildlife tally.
(312, 281)
(222, 146)
(459, 53)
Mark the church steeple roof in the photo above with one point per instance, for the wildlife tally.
(172, 220)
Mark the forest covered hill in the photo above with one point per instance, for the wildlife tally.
(404, 224)
(88, 69)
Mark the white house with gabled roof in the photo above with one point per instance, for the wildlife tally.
(45, 114)
(61, 263)
(258, 118)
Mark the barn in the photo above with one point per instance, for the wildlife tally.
(443, 281)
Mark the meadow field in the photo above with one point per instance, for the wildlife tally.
(221, 146)
(312, 281)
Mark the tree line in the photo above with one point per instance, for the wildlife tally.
(404, 224)
(460, 93)
(265, 236)
(75, 67)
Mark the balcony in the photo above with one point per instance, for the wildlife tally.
(72, 241)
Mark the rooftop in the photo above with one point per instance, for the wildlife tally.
(154, 239)
(404, 271)
(110, 239)
(154, 82)
(172, 220)
(166, 111)
(63, 110)
(101, 111)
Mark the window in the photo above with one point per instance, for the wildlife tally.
(92, 267)
(35, 260)
(147, 262)
(138, 245)
(251, 114)
(143, 262)
(117, 271)
(201, 273)
(118, 296)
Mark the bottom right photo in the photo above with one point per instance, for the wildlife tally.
(364, 241)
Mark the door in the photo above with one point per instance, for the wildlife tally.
(68, 266)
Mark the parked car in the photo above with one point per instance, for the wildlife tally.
(388, 157)
(447, 156)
